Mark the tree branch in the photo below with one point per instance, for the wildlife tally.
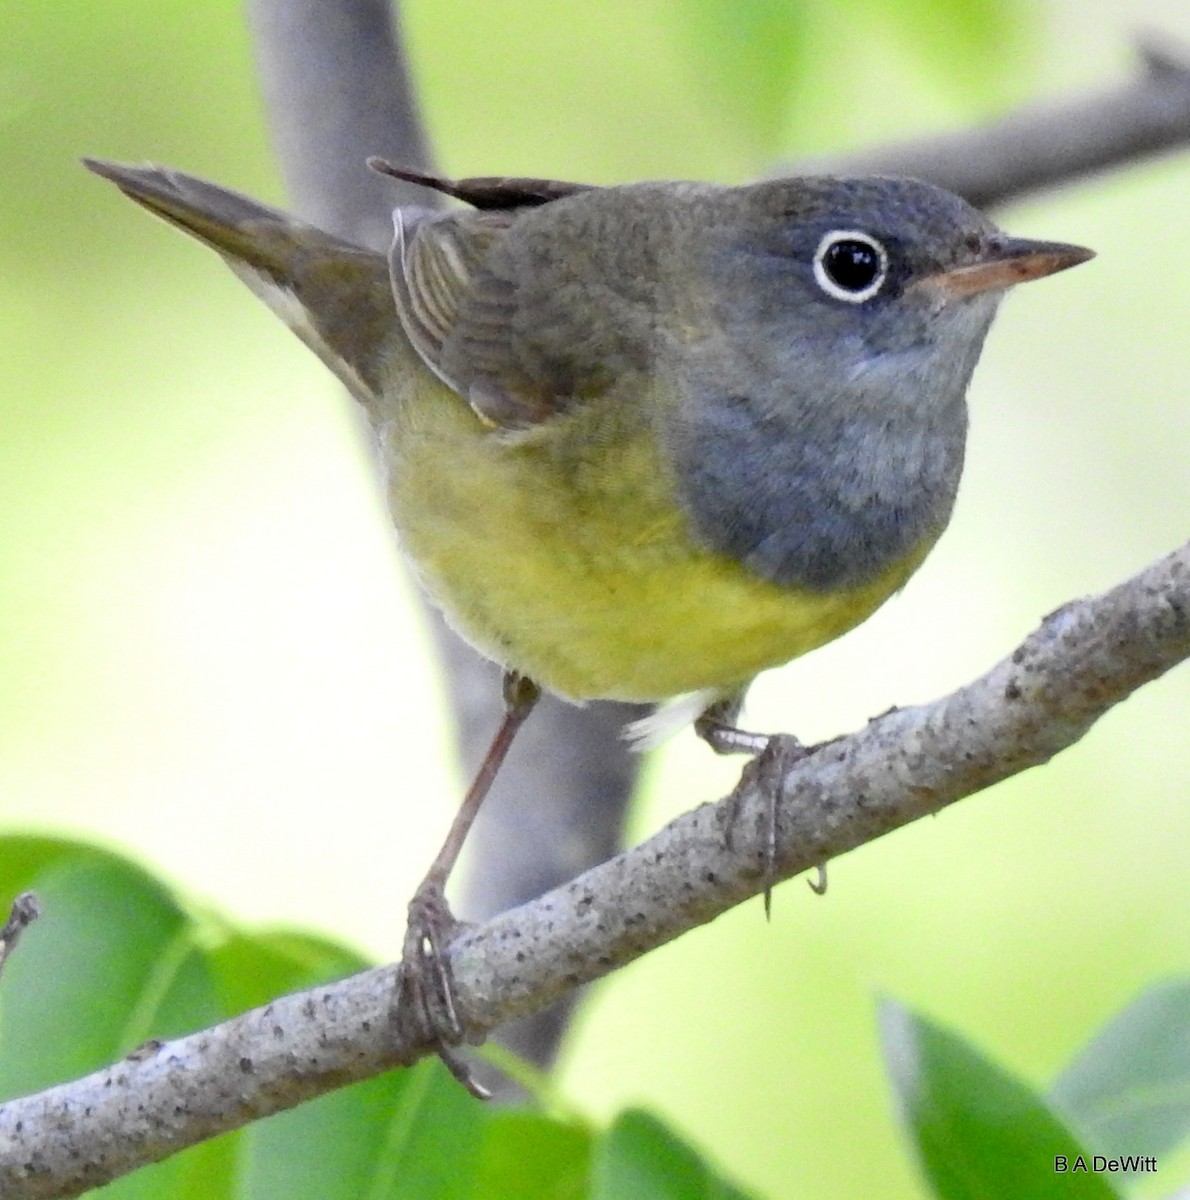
(1047, 144)
(1083, 659)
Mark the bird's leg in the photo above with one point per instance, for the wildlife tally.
(772, 754)
(426, 979)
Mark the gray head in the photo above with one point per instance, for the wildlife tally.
(821, 433)
(846, 272)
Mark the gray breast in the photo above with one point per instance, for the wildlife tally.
(824, 495)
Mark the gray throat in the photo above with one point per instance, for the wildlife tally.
(825, 494)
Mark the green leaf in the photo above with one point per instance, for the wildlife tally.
(980, 1133)
(111, 962)
(331, 1148)
(90, 977)
(534, 1157)
(23, 858)
(640, 1159)
(433, 1138)
(252, 969)
(1128, 1092)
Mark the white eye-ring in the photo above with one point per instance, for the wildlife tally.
(850, 265)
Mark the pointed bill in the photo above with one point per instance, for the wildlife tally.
(1003, 262)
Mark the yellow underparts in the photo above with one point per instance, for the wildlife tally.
(561, 554)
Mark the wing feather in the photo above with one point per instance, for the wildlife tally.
(460, 316)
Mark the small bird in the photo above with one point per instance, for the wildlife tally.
(643, 442)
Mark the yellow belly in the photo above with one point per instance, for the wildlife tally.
(560, 553)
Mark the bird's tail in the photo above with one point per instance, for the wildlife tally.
(336, 296)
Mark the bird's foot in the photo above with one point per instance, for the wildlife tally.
(765, 774)
(426, 984)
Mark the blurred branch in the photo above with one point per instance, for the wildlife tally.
(337, 88)
(1045, 145)
(1083, 659)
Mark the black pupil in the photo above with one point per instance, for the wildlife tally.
(852, 265)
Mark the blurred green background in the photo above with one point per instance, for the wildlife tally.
(209, 658)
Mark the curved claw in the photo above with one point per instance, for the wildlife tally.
(426, 983)
(765, 772)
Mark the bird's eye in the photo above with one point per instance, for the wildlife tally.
(850, 265)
